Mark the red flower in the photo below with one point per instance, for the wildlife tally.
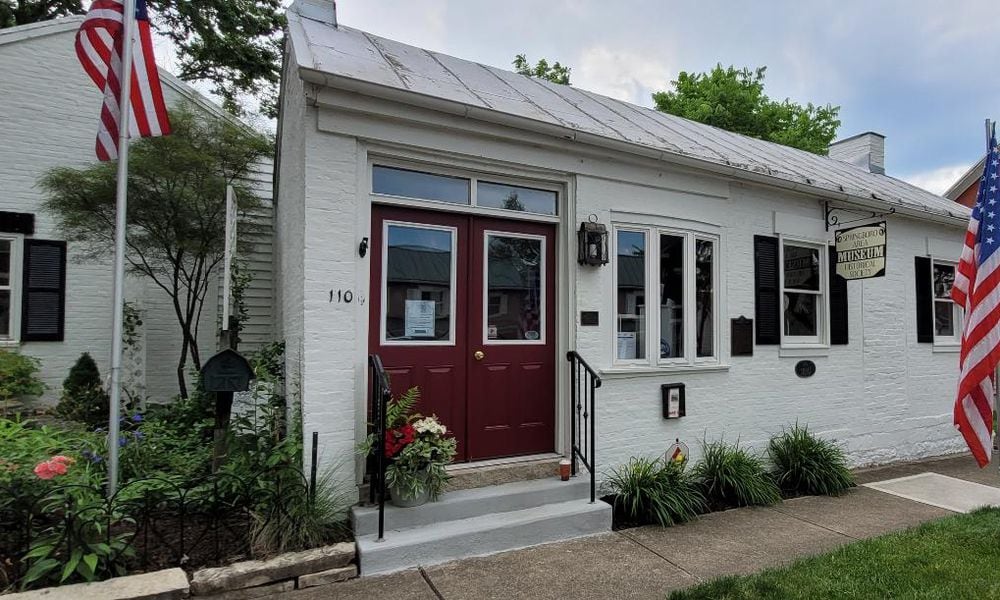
(399, 438)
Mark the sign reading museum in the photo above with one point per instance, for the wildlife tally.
(861, 251)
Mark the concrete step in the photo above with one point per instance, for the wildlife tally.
(464, 504)
(481, 535)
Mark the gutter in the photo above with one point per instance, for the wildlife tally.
(523, 123)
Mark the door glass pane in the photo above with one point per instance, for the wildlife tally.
(515, 267)
(631, 300)
(512, 197)
(671, 296)
(801, 268)
(801, 316)
(944, 318)
(4, 313)
(704, 251)
(419, 283)
(415, 184)
(4, 262)
(944, 277)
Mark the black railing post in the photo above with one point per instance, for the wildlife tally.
(312, 468)
(572, 411)
(381, 394)
(583, 436)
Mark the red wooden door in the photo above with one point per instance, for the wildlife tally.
(464, 308)
(511, 339)
(419, 274)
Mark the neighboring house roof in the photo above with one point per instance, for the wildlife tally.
(350, 59)
(967, 180)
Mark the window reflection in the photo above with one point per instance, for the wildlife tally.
(392, 181)
(512, 197)
(418, 283)
(514, 270)
(671, 296)
(704, 301)
(631, 295)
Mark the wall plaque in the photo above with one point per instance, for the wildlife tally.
(589, 318)
(861, 251)
(805, 368)
(741, 337)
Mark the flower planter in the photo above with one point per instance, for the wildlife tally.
(398, 498)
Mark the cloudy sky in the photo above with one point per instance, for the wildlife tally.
(923, 73)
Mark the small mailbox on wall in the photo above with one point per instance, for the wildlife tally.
(673, 400)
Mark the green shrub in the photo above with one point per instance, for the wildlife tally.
(806, 464)
(18, 376)
(83, 397)
(654, 491)
(732, 476)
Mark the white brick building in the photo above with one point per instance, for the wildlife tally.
(48, 110)
(392, 149)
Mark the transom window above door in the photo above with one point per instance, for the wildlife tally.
(487, 192)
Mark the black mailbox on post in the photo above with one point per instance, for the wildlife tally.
(227, 371)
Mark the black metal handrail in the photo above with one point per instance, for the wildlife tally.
(379, 406)
(584, 382)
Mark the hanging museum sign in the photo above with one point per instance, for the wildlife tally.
(861, 251)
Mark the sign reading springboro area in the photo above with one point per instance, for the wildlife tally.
(861, 251)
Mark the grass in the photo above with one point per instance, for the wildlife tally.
(654, 491)
(731, 476)
(955, 557)
(806, 464)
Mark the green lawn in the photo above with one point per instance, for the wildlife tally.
(953, 558)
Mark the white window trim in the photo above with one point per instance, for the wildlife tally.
(822, 339)
(952, 343)
(653, 361)
(544, 316)
(385, 288)
(16, 289)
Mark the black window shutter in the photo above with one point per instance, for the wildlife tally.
(767, 301)
(925, 300)
(44, 301)
(838, 303)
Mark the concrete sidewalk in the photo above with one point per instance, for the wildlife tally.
(647, 562)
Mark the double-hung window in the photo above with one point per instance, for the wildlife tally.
(666, 296)
(803, 293)
(947, 314)
(10, 293)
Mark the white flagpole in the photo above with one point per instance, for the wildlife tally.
(121, 207)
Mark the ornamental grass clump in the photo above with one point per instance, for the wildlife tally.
(807, 465)
(732, 476)
(654, 491)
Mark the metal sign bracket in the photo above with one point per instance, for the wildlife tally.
(833, 220)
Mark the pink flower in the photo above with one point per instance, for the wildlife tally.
(57, 467)
(64, 460)
(44, 470)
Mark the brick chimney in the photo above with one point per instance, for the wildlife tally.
(865, 150)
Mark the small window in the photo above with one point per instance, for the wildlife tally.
(802, 293)
(704, 296)
(512, 197)
(405, 183)
(671, 296)
(947, 314)
(6, 288)
(631, 295)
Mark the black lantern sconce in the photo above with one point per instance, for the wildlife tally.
(592, 243)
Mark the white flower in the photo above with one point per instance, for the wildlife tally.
(429, 425)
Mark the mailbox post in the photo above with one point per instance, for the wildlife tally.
(224, 374)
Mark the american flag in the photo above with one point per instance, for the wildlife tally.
(99, 48)
(977, 289)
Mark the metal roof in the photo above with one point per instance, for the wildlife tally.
(357, 60)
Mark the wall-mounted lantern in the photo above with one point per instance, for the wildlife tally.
(592, 243)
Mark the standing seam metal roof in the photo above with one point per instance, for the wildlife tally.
(360, 56)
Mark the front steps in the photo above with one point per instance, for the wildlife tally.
(476, 522)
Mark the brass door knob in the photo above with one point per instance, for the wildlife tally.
(479, 355)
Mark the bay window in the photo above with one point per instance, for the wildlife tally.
(677, 272)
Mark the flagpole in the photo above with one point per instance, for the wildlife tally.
(121, 207)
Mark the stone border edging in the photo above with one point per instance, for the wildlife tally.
(168, 584)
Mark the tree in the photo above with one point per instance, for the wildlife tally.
(233, 44)
(176, 210)
(556, 73)
(734, 99)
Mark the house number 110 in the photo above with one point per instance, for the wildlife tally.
(345, 297)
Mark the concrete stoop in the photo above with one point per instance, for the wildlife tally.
(478, 522)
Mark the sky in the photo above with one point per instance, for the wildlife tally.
(923, 73)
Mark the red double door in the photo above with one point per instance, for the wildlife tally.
(463, 307)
